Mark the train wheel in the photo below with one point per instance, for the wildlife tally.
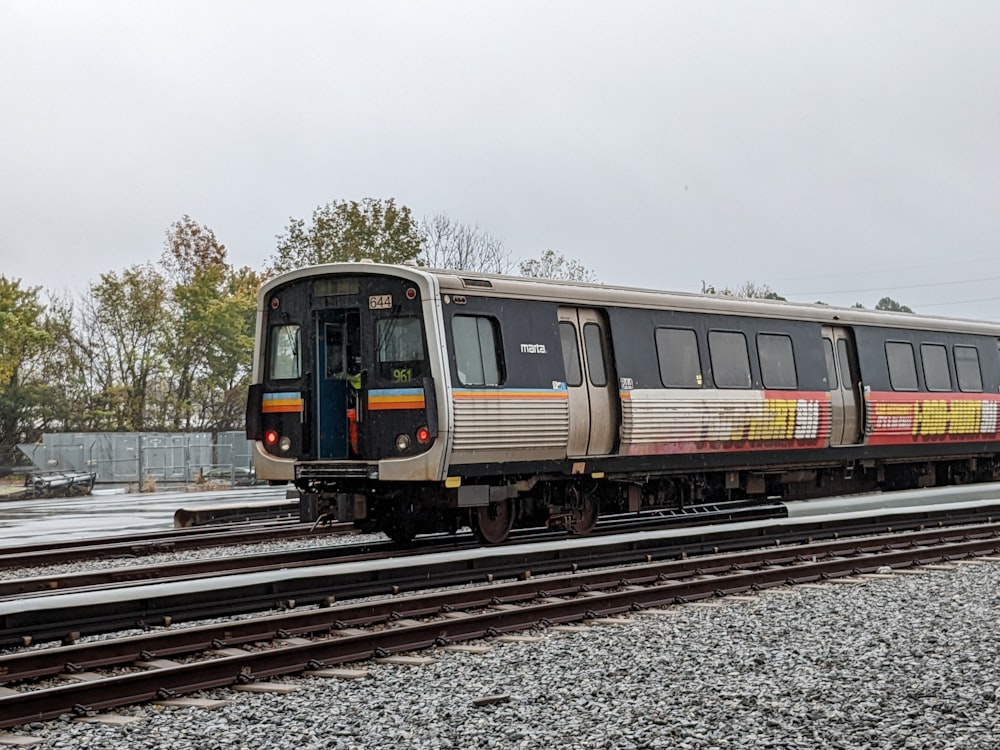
(586, 509)
(492, 523)
(401, 532)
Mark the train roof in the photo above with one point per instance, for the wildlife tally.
(452, 281)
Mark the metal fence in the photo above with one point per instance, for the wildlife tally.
(145, 457)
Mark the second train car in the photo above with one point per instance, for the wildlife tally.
(411, 400)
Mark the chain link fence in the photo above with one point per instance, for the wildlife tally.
(145, 460)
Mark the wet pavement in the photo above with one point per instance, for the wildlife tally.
(115, 513)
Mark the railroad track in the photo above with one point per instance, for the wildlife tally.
(105, 674)
(137, 547)
(140, 545)
(306, 577)
(201, 537)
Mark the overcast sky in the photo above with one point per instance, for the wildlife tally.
(837, 151)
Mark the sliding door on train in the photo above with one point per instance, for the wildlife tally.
(590, 381)
(845, 386)
(338, 382)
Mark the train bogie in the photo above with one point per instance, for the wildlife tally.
(414, 401)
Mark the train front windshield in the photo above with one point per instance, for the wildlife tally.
(400, 349)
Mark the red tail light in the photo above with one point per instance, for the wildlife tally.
(423, 435)
(270, 437)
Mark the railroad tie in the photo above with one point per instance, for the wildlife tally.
(206, 703)
(280, 688)
(110, 720)
(339, 673)
(19, 740)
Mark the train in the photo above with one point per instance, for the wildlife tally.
(411, 400)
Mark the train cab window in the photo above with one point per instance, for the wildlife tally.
(730, 361)
(399, 346)
(777, 360)
(935, 359)
(336, 355)
(970, 377)
(831, 365)
(594, 343)
(399, 339)
(902, 366)
(571, 354)
(284, 354)
(677, 354)
(477, 350)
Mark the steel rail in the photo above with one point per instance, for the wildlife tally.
(570, 598)
(178, 571)
(232, 565)
(36, 662)
(201, 537)
(43, 662)
(47, 620)
(198, 537)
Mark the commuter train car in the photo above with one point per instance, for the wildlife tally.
(411, 400)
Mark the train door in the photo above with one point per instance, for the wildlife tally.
(337, 382)
(845, 386)
(590, 381)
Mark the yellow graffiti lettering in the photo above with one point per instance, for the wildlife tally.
(777, 423)
(937, 417)
(966, 417)
(930, 418)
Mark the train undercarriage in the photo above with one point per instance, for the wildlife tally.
(574, 504)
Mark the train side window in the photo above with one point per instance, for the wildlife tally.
(571, 354)
(730, 361)
(677, 354)
(284, 354)
(848, 373)
(970, 377)
(777, 360)
(831, 365)
(902, 366)
(935, 359)
(593, 341)
(477, 350)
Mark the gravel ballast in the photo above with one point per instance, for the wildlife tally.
(903, 662)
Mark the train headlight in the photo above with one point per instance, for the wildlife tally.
(286, 444)
(402, 442)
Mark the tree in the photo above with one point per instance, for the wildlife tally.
(190, 248)
(448, 244)
(232, 358)
(350, 230)
(209, 339)
(125, 319)
(890, 305)
(556, 266)
(20, 330)
(221, 394)
(54, 378)
(22, 337)
(746, 290)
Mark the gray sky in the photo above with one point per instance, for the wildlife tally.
(835, 150)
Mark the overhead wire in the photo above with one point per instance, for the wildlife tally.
(901, 286)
